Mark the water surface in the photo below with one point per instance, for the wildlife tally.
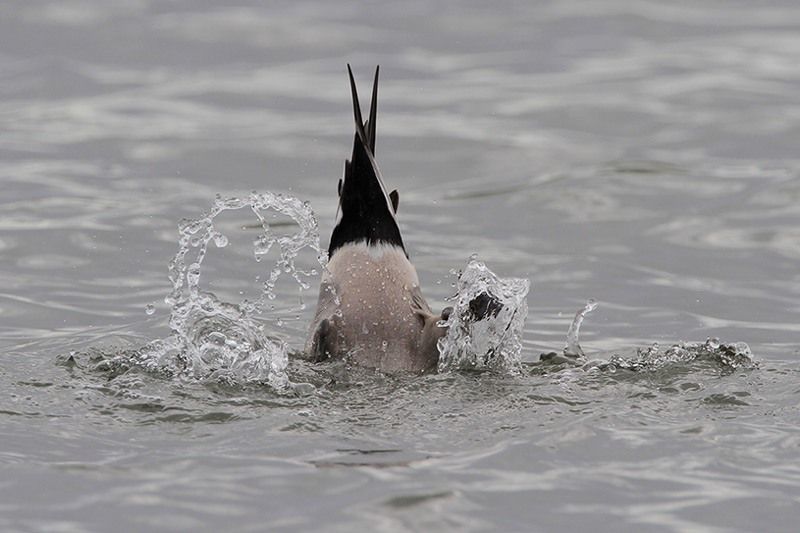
(640, 153)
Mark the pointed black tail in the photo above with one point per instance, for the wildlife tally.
(366, 211)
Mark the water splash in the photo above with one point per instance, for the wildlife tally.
(732, 356)
(198, 233)
(212, 339)
(485, 326)
(573, 347)
(728, 356)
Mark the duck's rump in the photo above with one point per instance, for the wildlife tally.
(371, 311)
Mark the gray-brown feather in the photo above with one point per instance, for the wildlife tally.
(372, 311)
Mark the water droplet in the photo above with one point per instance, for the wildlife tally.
(193, 274)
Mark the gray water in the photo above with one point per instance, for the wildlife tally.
(641, 153)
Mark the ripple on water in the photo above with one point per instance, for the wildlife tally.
(51, 262)
(7, 243)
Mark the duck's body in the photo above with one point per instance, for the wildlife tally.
(371, 309)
